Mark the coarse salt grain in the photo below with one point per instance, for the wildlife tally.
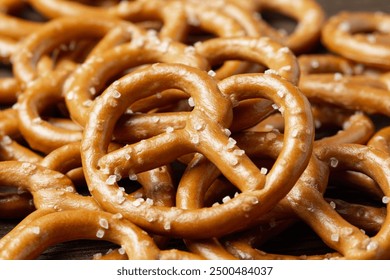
(111, 180)
(100, 233)
(263, 170)
(335, 237)
(385, 199)
(191, 102)
(211, 73)
(226, 199)
(103, 223)
(121, 251)
(36, 230)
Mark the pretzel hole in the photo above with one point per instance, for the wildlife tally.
(362, 207)
(130, 185)
(5, 70)
(74, 49)
(297, 240)
(26, 12)
(285, 25)
(220, 192)
(197, 34)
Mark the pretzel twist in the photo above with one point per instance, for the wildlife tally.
(137, 151)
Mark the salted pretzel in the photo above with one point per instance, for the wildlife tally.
(310, 18)
(15, 205)
(157, 184)
(263, 51)
(345, 92)
(368, 218)
(237, 11)
(10, 149)
(198, 179)
(88, 81)
(170, 14)
(326, 63)
(40, 43)
(348, 240)
(380, 140)
(174, 220)
(39, 133)
(45, 229)
(50, 189)
(346, 34)
(217, 51)
(373, 163)
(355, 127)
(16, 28)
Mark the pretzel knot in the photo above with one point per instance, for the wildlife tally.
(204, 132)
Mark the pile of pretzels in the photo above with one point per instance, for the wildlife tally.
(155, 123)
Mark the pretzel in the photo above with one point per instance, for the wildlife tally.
(83, 86)
(130, 166)
(50, 189)
(195, 182)
(358, 245)
(356, 127)
(47, 229)
(346, 239)
(342, 34)
(40, 134)
(263, 51)
(171, 14)
(9, 131)
(380, 140)
(35, 46)
(345, 92)
(309, 15)
(217, 50)
(16, 28)
(15, 206)
(368, 218)
(326, 63)
(238, 12)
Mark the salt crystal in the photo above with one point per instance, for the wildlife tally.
(103, 223)
(231, 143)
(334, 162)
(111, 180)
(191, 102)
(36, 230)
(100, 233)
(212, 73)
(226, 199)
(335, 237)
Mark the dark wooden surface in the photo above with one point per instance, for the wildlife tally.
(86, 249)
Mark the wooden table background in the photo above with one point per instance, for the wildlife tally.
(300, 233)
